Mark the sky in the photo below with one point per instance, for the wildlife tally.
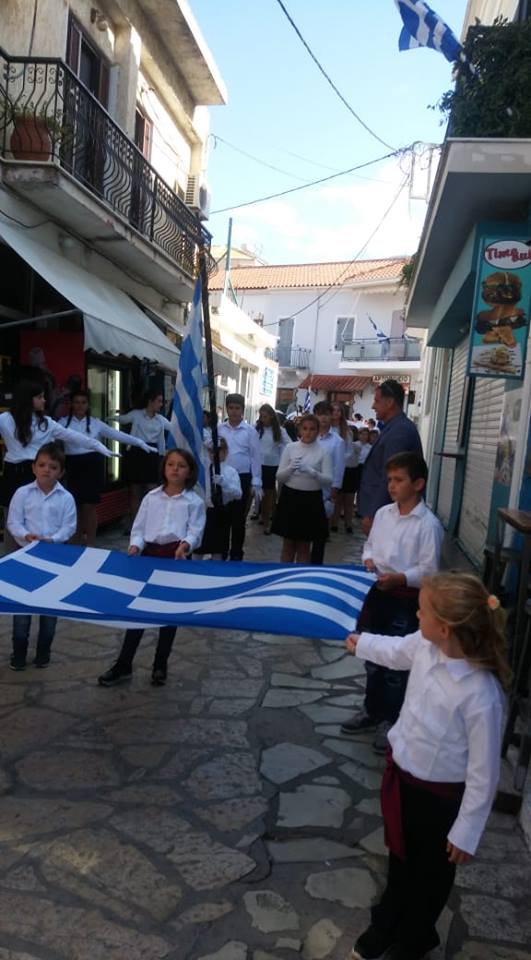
(281, 110)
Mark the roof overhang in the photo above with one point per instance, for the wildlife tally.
(477, 180)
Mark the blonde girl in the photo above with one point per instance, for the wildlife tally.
(444, 762)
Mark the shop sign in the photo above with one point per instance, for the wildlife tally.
(268, 379)
(399, 377)
(500, 314)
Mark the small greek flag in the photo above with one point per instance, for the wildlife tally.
(89, 584)
(187, 413)
(382, 337)
(424, 28)
(307, 406)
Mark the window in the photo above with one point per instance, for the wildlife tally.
(106, 385)
(344, 331)
(87, 63)
(143, 133)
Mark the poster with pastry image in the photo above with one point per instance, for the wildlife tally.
(500, 318)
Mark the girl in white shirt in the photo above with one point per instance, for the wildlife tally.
(272, 439)
(225, 487)
(443, 770)
(24, 431)
(169, 524)
(344, 501)
(305, 469)
(147, 424)
(85, 476)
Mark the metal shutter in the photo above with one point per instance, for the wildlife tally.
(455, 400)
(480, 461)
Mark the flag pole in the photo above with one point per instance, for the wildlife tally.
(207, 332)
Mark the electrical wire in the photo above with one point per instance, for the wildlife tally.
(336, 282)
(314, 183)
(216, 138)
(329, 79)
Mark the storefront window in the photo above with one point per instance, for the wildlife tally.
(106, 385)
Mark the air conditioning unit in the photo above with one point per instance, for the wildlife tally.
(197, 197)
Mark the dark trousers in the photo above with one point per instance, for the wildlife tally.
(21, 632)
(394, 615)
(130, 646)
(317, 553)
(419, 886)
(237, 517)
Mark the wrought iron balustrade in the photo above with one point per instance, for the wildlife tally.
(298, 357)
(48, 116)
(394, 348)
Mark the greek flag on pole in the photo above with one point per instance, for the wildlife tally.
(382, 337)
(88, 584)
(307, 406)
(187, 413)
(424, 28)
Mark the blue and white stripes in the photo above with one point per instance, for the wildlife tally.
(187, 414)
(84, 583)
(424, 28)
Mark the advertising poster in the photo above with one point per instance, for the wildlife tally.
(500, 318)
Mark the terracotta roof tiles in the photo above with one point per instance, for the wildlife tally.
(292, 275)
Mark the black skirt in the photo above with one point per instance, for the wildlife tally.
(351, 480)
(269, 475)
(85, 477)
(300, 515)
(142, 467)
(15, 475)
(217, 530)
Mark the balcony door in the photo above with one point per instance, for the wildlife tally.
(86, 144)
(142, 187)
(285, 340)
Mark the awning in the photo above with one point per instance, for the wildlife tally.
(331, 382)
(113, 323)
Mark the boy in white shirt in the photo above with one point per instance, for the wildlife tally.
(403, 547)
(42, 510)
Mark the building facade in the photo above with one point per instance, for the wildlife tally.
(339, 328)
(103, 200)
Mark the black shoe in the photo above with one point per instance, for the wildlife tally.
(349, 530)
(371, 945)
(117, 674)
(158, 677)
(15, 664)
(380, 743)
(400, 952)
(361, 720)
(41, 662)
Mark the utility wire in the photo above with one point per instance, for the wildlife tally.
(216, 138)
(329, 79)
(337, 281)
(313, 183)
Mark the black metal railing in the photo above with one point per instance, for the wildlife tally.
(395, 348)
(48, 116)
(289, 357)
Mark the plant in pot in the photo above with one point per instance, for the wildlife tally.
(34, 131)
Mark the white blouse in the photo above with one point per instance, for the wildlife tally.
(270, 449)
(96, 429)
(162, 519)
(305, 466)
(450, 726)
(16, 452)
(146, 428)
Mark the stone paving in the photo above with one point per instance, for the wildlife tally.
(222, 817)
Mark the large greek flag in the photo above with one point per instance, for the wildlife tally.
(187, 413)
(424, 28)
(85, 583)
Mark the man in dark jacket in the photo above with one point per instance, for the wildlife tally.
(398, 435)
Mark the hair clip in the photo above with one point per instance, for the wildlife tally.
(492, 602)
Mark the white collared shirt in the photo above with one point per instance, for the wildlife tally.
(244, 449)
(365, 449)
(450, 726)
(231, 488)
(162, 519)
(16, 452)
(51, 516)
(405, 543)
(335, 446)
(96, 429)
(271, 449)
(146, 428)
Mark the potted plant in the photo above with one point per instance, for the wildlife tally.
(33, 133)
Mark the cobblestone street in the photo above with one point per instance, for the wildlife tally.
(221, 817)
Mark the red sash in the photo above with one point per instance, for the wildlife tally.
(391, 805)
(161, 549)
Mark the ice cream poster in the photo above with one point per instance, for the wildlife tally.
(500, 317)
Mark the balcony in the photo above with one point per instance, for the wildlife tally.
(55, 134)
(381, 351)
(297, 359)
